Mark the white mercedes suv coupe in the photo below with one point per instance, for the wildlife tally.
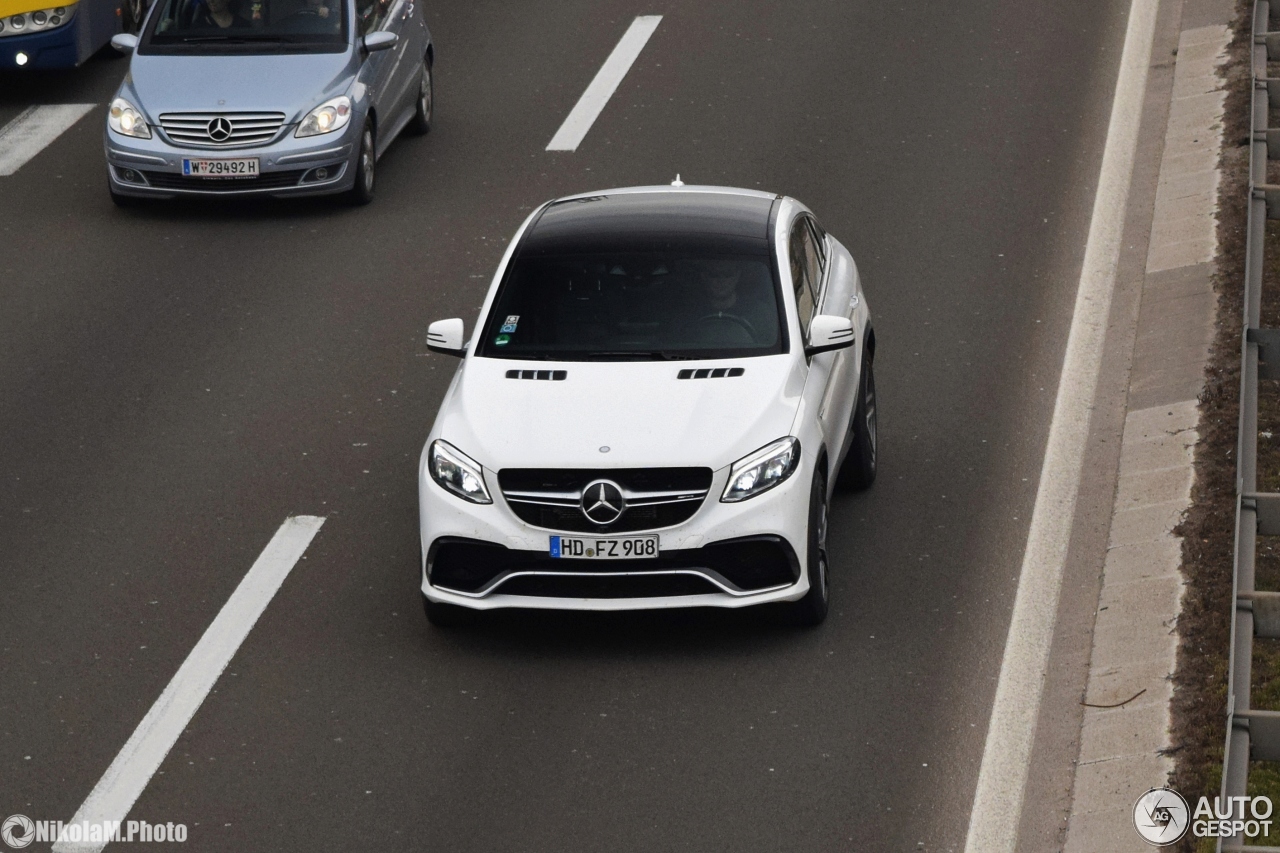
(664, 387)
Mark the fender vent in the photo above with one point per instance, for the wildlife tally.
(556, 375)
(711, 373)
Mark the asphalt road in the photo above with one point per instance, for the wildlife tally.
(176, 381)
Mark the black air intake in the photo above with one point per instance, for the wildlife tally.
(556, 375)
(711, 373)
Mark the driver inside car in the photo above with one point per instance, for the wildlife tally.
(316, 7)
(217, 14)
(732, 303)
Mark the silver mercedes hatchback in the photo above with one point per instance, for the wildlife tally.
(274, 97)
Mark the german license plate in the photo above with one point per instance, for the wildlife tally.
(600, 548)
(246, 167)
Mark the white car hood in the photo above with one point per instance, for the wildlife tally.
(641, 411)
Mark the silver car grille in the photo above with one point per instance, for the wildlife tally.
(638, 499)
(223, 129)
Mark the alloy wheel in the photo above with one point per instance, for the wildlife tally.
(823, 582)
(425, 95)
(367, 159)
(869, 405)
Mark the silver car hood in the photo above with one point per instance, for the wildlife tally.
(639, 410)
(291, 83)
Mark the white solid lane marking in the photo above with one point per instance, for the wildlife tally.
(997, 806)
(127, 777)
(575, 127)
(33, 129)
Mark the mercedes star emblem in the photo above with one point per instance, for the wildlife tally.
(602, 502)
(219, 129)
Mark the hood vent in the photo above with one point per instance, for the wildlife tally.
(711, 373)
(556, 375)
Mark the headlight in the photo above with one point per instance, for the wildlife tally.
(457, 472)
(126, 119)
(761, 471)
(35, 22)
(326, 118)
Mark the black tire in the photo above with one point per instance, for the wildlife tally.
(812, 609)
(426, 105)
(858, 471)
(447, 615)
(366, 169)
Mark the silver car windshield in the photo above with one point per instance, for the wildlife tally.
(205, 26)
(636, 305)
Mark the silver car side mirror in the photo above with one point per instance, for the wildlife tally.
(124, 42)
(381, 40)
(829, 332)
(445, 337)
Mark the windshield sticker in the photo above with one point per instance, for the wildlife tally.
(508, 328)
(502, 340)
(512, 319)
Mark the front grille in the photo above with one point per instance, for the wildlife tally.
(551, 498)
(263, 181)
(201, 129)
(749, 565)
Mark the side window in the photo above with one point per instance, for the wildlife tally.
(819, 240)
(813, 260)
(801, 250)
(369, 15)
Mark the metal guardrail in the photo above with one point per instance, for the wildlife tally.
(1254, 735)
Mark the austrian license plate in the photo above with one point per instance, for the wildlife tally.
(246, 167)
(600, 548)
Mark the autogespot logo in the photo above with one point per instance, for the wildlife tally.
(1161, 816)
(18, 831)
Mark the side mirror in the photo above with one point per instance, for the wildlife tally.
(445, 337)
(124, 42)
(829, 332)
(381, 40)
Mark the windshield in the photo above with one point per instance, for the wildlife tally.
(677, 303)
(247, 26)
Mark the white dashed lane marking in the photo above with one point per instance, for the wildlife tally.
(33, 130)
(575, 127)
(127, 777)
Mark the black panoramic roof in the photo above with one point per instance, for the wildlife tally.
(727, 222)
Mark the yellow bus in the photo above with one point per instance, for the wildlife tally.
(38, 34)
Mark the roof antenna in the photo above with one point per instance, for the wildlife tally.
(677, 182)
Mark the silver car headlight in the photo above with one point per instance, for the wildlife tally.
(761, 471)
(332, 115)
(457, 472)
(124, 118)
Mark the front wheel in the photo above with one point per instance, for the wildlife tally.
(859, 469)
(425, 108)
(366, 166)
(812, 609)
